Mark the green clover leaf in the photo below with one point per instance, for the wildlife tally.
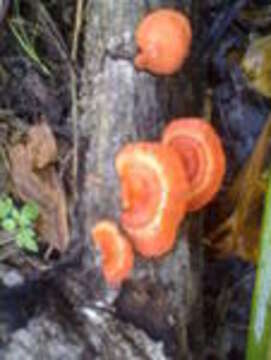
(31, 245)
(15, 214)
(8, 224)
(20, 222)
(30, 211)
(24, 221)
(26, 239)
(6, 205)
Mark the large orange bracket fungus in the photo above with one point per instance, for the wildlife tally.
(155, 189)
(163, 39)
(201, 151)
(117, 252)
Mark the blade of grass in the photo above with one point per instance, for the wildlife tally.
(259, 336)
(18, 28)
(16, 6)
(27, 46)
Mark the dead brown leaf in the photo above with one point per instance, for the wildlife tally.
(35, 178)
(42, 145)
(239, 233)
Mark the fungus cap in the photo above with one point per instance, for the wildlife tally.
(117, 252)
(154, 192)
(164, 39)
(201, 150)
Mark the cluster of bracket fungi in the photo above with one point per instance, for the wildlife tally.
(160, 181)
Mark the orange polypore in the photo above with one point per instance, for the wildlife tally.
(154, 192)
(203, 156)
(117, 253)
(164, 39)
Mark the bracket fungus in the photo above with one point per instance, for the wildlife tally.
(163, 38)
(116, 250)
(201, 151)
(154, 195)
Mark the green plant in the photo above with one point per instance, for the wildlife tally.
(26, 36)
(20, 222)
(259, 334)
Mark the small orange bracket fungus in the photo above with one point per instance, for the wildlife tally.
(117, 252)
(154, 192)
(163, 38)
(201, 151)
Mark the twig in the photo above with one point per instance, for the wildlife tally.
(77, 28)
(49, 30)
(74, 113)
(74, 94)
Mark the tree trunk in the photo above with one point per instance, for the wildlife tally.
(120, 105)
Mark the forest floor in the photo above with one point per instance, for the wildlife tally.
(41, 59)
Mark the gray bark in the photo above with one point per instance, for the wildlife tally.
(121, 105)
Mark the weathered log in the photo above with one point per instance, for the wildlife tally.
(120, 105)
